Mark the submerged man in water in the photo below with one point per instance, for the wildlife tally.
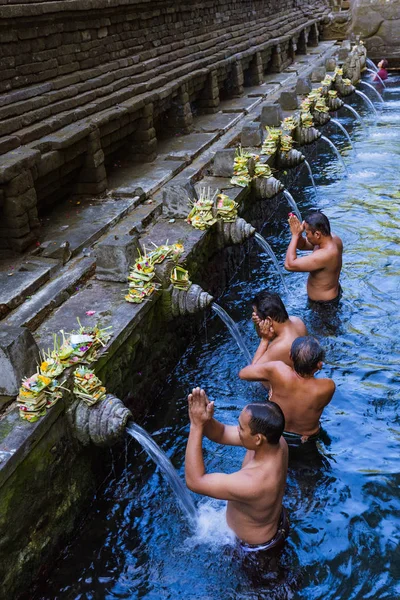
(300, 395)
(325, 262)
(275, 328)
(254, 494)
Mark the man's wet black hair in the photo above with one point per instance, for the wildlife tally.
(266, 418)
(269, 304)
(306, 353)
(317, 221)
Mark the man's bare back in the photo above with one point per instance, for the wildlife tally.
(323, 284)
(255, 492)
(302, 398)
(325, 262)
(256, 520)
(279, 347)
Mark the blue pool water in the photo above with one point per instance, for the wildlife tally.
(344, 511)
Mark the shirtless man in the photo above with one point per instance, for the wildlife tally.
(300, 395)
(325, 262)
(254, 494)
(275, 328)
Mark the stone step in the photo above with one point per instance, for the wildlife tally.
(33, 312)
(100, 87)
(18, 284)
(82, 223)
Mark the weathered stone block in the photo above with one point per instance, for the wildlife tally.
(271, 115)
(330, 64)
(176, 199)
(288, 100)
(20, 184)
(251, 135)
(318, 74)
(114, 257)
(223, 162)
(303, 86)
(19, 357)
(343, 54)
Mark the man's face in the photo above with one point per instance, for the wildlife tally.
(313, 238)
(245, 435)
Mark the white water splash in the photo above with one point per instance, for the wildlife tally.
(211, 527)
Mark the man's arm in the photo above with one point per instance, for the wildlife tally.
(216, 485)
(262, 371)
(306, 264)
(297, 228)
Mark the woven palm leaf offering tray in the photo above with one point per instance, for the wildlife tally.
(87, 386)
(241, 175)
(180, 278)
(202, 214)
(226, 208)
(31, 400)
(271, 142)
(290, 123)
(141, 276)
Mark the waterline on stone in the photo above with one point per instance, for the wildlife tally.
(233, 329)
(340, 158)
(262, 242)
(375, 90)
(356, 114)
(367, 100)
(292, 204)
(346, 133)
(163, 462)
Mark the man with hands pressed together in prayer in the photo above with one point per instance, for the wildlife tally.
(255, 492)
(325, 262)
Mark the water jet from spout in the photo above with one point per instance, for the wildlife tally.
(292, 204)
(367, 100)
(332, 145)
(356, 114)
(344, 130)
(262, 242)
(233, 329)
(378, 76)
(162, 461)
(373, 65)
(374, 89)
(311, 176)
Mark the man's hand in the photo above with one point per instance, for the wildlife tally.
(256, 320)
(201, 410)
(296, 228)
(266, 330)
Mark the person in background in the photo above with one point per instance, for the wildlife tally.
(382, 73)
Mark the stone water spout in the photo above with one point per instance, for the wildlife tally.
(266, 188)
(344, 89)
(103, 424)
(320, 118)
(289, 160)
(305, 135)
(235, 232)
(334, 103)
(187, 302)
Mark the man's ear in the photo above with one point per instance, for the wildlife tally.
(320, 364)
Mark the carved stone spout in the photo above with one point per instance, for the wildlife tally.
(288, 160)
(334, 103)
(179, 303)
(236, 232)
(320, 118)
(306, 135)
(266, 188)
(102, 424)
(344, 89)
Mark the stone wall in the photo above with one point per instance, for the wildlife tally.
(378, 23)
(81, 78)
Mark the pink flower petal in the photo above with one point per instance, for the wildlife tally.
(90, 312)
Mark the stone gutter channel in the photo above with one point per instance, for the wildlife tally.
(103, 243)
